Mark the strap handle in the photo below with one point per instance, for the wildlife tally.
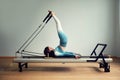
(47, 17)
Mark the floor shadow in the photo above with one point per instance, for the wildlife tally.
(7, 69)
(49, 68)
(97, 69)
(46, 69)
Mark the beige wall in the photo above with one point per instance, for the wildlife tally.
(117, 48)
(86, 23)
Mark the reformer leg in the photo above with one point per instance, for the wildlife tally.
(20, 66)
(26, 65)
(101, 65)
(106, 66)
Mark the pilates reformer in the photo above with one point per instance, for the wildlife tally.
(24, 57)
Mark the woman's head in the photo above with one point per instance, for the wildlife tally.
(48, 51)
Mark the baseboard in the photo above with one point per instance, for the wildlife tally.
(116, 57)
(8, 57)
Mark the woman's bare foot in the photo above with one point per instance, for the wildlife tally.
(51, 12)
(77, 56)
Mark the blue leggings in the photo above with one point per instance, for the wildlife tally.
(64, 53)
(63, 39)
(63, 42)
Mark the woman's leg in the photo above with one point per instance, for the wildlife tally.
(63, 40)
(61, 34)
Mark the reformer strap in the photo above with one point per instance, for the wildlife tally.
(49, 14)
(46, 19)
(49, 18)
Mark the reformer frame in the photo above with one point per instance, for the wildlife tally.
(34, 57)
(104, 61)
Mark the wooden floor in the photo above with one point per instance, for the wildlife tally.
(58, 71)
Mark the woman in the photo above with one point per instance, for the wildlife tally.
(59, 51)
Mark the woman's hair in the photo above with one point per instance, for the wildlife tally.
(49, 53)
(46, 51)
